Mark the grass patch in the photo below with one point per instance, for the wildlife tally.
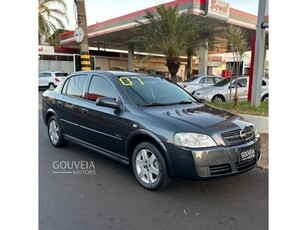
(243, 108)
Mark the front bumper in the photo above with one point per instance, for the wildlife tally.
(212, 162)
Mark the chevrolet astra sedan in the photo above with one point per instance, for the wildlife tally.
(150, 123)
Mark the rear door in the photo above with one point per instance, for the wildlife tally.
(69, 104)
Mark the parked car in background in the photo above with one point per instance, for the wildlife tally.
(50, 79)
(194, 83)
(150, 123)
(221, 90)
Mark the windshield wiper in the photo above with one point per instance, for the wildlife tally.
(155, 104)
(165, 104)
(183, 102)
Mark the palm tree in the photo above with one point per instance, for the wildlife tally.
(51, 16)
(237, 38)
(168, 33)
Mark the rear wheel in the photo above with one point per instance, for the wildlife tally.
(265, 98)
(149, 166)
(55, 133)
(51, 86)
(218, 98)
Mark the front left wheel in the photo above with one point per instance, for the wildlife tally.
(55, 133)
(149, 166)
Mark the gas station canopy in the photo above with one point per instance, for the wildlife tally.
(116, 33)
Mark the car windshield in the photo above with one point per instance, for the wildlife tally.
(154, 91)
(61, 74)
(223, 82)
(190, 79)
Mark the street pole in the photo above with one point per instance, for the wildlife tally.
(84, 48)
(259, 56)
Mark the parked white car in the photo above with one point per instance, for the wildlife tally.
(194, 83)
(220, 91)
(50, 79)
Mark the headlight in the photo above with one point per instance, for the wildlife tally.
(206, 93)
(193, 140)
(202, 93)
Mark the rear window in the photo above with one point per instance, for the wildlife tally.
(61, 74)
(190, 79)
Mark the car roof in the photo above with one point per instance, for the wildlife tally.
(115, 73)
(52, 72)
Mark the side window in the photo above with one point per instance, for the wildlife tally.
(207, 80)
(101, 87)
(217, 79)
(242, 82)
(263, 83)
(202, 80)
(41, 75)
(47, 75)
(75, 86)
(210, 80)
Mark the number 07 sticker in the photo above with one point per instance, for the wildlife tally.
(127, 82)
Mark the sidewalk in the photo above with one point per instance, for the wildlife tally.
(264, 162)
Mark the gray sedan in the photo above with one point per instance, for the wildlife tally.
(194, 83)
(221, 90)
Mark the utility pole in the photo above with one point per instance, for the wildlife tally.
(259, 55)
(84, 48)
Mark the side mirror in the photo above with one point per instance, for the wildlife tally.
(107, 102)
(232, 86)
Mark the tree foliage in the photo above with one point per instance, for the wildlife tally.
(169, 32)
(237, 39)
(51, 16)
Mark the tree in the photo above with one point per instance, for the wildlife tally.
(51, 16)
(237, 38)
(167, 32)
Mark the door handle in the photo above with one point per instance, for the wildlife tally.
(84, 111)
(59, 103)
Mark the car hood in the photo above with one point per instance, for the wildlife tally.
(198, 118)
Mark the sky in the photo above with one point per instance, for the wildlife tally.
(99, 10)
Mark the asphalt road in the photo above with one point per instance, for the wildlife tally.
(112, 198)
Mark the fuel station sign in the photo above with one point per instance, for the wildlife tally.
(217, 9)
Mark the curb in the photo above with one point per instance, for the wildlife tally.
(263, 167)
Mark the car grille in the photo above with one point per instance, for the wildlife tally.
(234, 137)
(220, 169)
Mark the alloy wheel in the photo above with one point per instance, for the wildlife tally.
(54, 132)
(147, 166)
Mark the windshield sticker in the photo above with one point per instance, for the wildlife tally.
(127, 82)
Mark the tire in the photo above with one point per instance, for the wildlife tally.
(149, 167)
(265, 98)
(218, 98)
(55, 133)
(51, 86)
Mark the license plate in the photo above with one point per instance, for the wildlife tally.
(247, 154)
